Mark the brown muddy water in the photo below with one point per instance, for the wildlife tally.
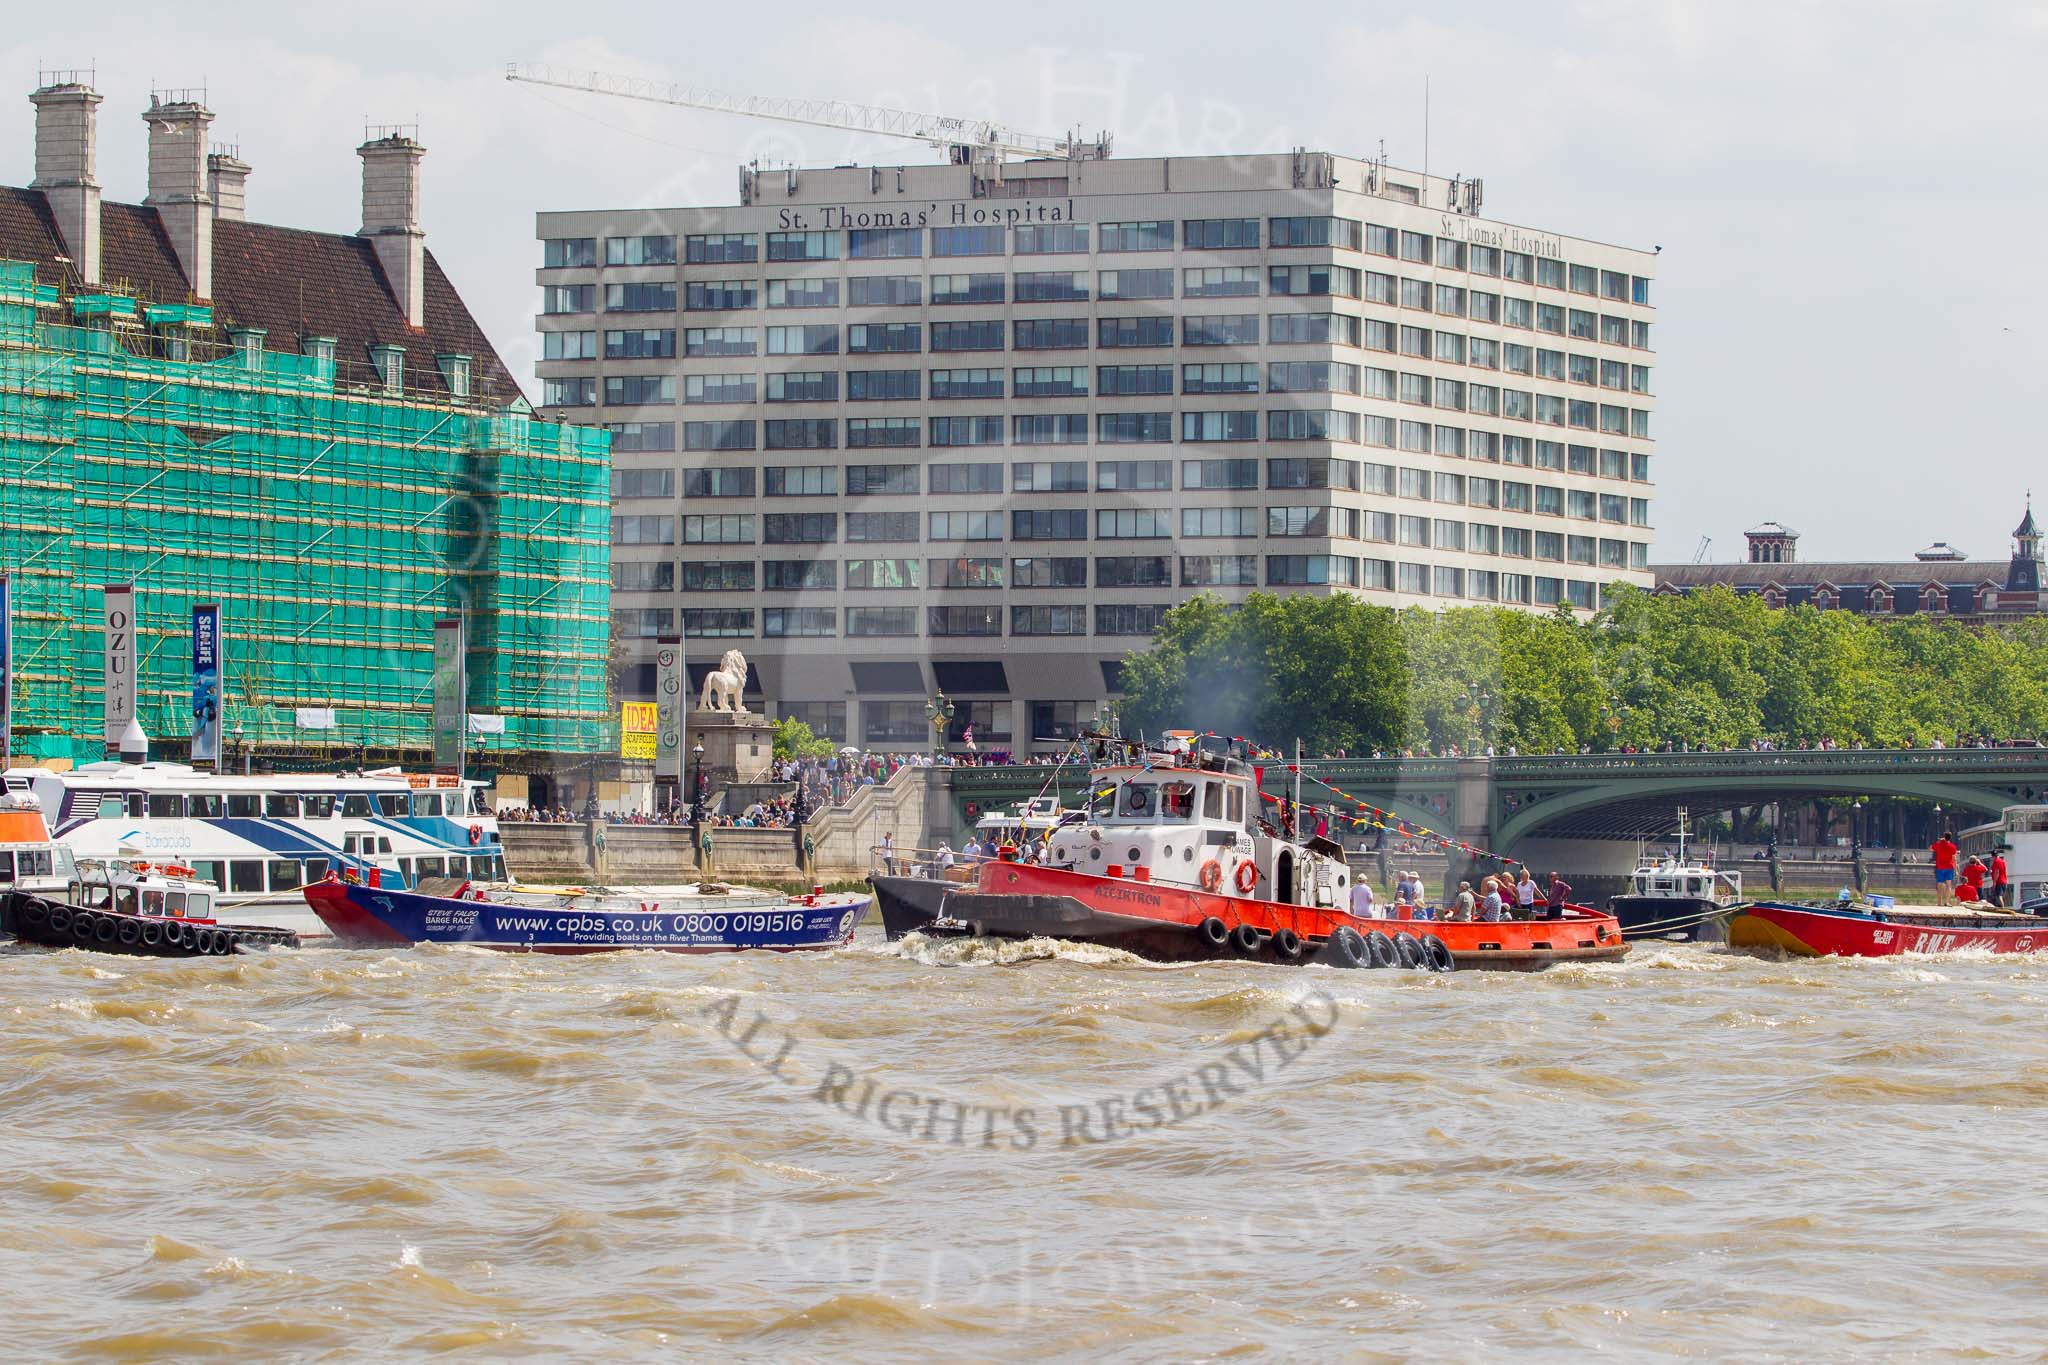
(1018, 1152)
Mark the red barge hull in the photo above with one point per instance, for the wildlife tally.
(1155, 919)
(1825, 931)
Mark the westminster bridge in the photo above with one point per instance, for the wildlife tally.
(1536, 808)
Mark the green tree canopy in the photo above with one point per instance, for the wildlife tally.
(1708, 669)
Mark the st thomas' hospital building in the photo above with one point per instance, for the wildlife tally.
(977, 427)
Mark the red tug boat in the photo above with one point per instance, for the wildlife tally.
(1173, 860)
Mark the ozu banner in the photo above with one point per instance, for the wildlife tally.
(449, 696)
(206, 672)
(119, 663)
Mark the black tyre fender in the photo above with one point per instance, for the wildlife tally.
(152, 934)
(1214, 932)
(1246, 940)
(1437, 954)
(223, 942)
(199, 941)
(35, 914)
(129, 932)
(1408, 948)
(1345, 948)
(1287, 945)
(60, 920)
(1381, 949)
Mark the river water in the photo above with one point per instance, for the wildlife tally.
(1019, 1151)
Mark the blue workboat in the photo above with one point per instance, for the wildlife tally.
(703, 918)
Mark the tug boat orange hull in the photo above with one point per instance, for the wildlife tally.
(1156, 919)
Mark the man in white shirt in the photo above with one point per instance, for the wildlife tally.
(888, 854)
(1362, 899)
(945, 857)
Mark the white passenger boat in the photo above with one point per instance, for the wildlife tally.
(263, 838)
(2021, 832)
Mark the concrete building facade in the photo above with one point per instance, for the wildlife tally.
(969, 428)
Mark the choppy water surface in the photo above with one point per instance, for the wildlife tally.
(330, 1154)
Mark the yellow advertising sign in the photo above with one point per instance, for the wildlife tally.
(636, 730)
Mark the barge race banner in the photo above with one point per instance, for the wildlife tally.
(206, 670)
(6, 669)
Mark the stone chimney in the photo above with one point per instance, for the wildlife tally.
(67, 110)
(227, 183)
(391, 215)
(177, 182)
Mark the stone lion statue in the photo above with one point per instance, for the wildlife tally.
(723, 687)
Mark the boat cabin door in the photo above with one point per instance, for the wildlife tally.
(1283, 877)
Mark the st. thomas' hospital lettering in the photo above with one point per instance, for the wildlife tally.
(942, 215)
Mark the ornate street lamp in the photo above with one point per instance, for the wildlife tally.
(697, 792)
(939, 711)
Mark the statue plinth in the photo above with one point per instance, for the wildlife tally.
(738, 745)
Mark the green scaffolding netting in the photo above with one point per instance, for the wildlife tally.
(333, 522)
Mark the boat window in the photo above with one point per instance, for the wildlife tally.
(166, 806)
(316, 868)
(6, 867)
(392, 803)
(174, 904)
(431, 867)
(1102, 802)
(1236, 816)
(152, 902)
(112, 807)
(1137, 799)
(317, 805)
(480, 867)
(203, 806)
(384, 843)
(200, 906)
(426, 803)
(1177, 800)
(124, 899)
(207, 870)
(245, 875)
(1212, 800)
(245, 805)
(281, 805)
(285, 875)
(77, 896)
(356, 805)
(498, 869)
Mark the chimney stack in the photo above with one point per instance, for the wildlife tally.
(227, 183)
(66, 159)
(177, 181)
(391, 215)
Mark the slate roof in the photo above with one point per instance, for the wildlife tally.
(291, 282)
(1803, 573)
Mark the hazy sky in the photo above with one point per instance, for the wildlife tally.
(1848, 196)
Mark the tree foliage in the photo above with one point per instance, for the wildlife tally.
(1712, 669)
(794, 739)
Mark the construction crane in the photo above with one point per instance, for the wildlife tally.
(965, 141)
(1699, 556)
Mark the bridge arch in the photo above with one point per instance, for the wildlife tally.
(1722, 791)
